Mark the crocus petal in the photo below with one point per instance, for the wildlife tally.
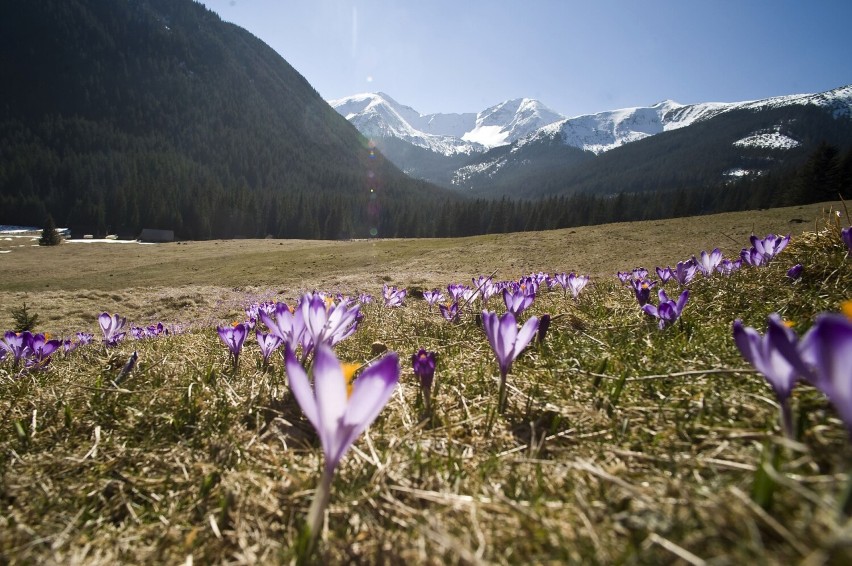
(525, 336)
(330, 391)
(301, 387)
(105, 322)
(827, 346)
(651, 310)
(371, 392)
(681, 301)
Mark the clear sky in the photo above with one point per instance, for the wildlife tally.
(575, 57)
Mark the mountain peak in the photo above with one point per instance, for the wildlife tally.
(379, 115)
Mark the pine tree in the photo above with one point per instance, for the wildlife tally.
(49, 235)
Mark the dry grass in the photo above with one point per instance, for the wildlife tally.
(622, 444)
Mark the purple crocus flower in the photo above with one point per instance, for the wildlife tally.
(325, 322)
(827, 349)
(727, 266)
(450, 311)
(639, 273)
(423, 363)
(456, 290)
(111, 327)
(268, 343)
(684, 272)
(339, 414)
(664, 273)
(17, 344)
(623, 276)
(667, 311)
(752, 257)
(365, 298)
(795, 272)
(774, 355)
(517, 301)
(285, 323)
(41, 348)
(487, 288)
(507, 342)
(234, 336)
(642, 290)
(433, 297)
(770, 246)
(708, 262)
(561, 279)
(846, 236)
(393, 297)
(577, 283)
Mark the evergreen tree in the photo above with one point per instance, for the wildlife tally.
(49, 235)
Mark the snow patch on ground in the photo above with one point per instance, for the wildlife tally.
(768, 140)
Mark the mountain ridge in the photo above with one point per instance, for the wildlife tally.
(510, 149)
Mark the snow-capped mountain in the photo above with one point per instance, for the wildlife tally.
(607, 130)
(498, 150)
(377, 115)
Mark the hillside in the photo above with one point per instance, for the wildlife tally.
(116, 116)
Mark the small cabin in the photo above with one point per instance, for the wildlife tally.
(156, 236)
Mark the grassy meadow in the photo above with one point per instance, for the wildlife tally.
(622, 443)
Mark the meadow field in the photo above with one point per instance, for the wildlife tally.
(622, 442)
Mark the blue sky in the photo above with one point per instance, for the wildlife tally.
(575, 57)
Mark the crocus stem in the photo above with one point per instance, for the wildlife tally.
(314, 520)
(787, 420)
(427, 401)
(501, 405)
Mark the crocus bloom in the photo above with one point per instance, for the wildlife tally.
(667, 311)
(450, 312)
(41, 347)
(325, 322)
(433, 297)
(708, 262)
(577, 283)
(846, 236)
(640, 273)
(507, 342)
(642, 290)
(393, 297)
(827, 349)
(423, 363)
(562, 280)
(17, 344)
(268, 343)
(456, 290)
(774, 355)
(339, 414)
(365, 298)
(234, 336)
(517, 301)
(286, 324)
(111, 327)
(726, 266)
(623, 276)
(770, 246)
(795, 272)
(684, 272)
(752, 257)
(664, 273)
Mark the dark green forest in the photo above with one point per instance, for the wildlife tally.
(116, 116)
(121, 115)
